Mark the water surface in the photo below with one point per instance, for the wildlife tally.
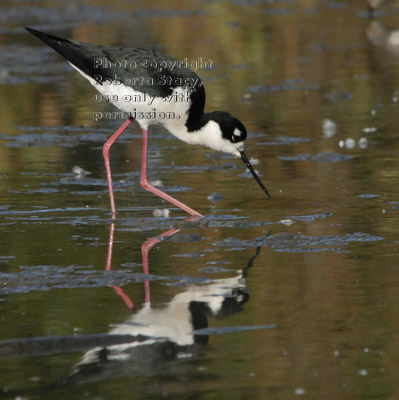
(290, 297)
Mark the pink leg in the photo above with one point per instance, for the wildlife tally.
(106, 150)
(108, 263)
(118, 290)
(145, 183)
(145, 249)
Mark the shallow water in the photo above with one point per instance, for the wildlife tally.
(295, 296)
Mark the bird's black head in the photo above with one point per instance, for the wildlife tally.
(226, 133)
(232, 129)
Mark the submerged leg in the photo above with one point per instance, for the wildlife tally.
(145, 183)
(106, 150)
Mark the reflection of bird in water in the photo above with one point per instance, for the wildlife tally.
(374, 4)
(383, 37)
(172, 328)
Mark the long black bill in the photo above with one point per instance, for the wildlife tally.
(251, 169)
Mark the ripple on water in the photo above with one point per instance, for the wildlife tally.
(369, 196)
(324, 157)
(286, 85)
(48, 277)
(298, 243)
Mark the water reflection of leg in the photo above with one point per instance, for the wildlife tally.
(145, 249)
(118, 290)
(176, 330)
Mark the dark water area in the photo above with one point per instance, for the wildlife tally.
(290, 297)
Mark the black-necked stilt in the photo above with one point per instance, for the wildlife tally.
(374, 4)
(153, 88)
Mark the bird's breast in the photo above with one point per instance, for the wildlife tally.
(148, 109)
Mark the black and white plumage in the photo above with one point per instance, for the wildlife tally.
(170, 331)
(153, 88)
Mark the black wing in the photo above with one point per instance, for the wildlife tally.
(130, 63)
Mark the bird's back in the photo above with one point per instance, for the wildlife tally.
(142, 69)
